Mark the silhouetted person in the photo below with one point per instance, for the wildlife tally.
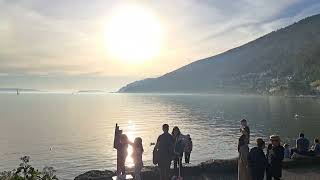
(178, 149)
(257, 161)
(122, 151)
(244, 125)
(275, 156)
(243, 149)
(164, 148)
(137, 151)
(187, 149)
(302, 145)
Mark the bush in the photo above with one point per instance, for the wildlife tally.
(26, 172)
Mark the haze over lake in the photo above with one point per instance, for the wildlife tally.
(74, 133)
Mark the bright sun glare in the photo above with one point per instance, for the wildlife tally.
(133, 35)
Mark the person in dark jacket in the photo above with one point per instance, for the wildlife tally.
(275, 156)
(257, 161)
(164, 148)
(178, 149)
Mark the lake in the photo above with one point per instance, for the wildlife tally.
(74, 133)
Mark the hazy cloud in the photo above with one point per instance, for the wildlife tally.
(66, 36)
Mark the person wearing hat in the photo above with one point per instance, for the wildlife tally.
(275, 156)
(257, 161)
(243, 149)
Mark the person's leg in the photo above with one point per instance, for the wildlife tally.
(185, 157)
(120, 167)
(161, 173)
(175, 166)
(189, 154)
(167, 172)
(268, 174)
(137, 171)
(180, 166)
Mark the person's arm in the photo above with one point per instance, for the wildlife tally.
(298, 144)
(191, 144)
(157, 144)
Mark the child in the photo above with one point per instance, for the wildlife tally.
(187, 149)
(137, 157)
(122, 153)
(287, 151)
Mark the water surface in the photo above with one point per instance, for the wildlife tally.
(74, 133)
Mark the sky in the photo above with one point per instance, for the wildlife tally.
(61, 44)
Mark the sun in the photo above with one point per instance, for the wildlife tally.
(133, 35)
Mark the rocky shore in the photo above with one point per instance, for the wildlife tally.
(215, 169)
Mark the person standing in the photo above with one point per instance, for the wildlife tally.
(122, 151)
(244, 125)
(257, 161)
(187, 149)
(137, 157)
(243, 149)
(275, 156)
(164, 151)
(178, 149)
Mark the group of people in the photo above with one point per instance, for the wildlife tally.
(121, 143)
(302, 148)
(255, 164)
(169, 147)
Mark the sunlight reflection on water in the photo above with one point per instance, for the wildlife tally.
(80, 128)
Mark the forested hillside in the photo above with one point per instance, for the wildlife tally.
(285, 62)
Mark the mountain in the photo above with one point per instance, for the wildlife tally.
(286, 61)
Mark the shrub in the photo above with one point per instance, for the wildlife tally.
(26, 172)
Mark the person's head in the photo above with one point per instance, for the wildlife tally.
(188, 137)
(123, 138)
(286, 146)
(301, 135)
(138, 143)
(243, 122)
(275, 140)
(175, 131)
(260, 143)
(316, 141)
(165, 128)
(269, 146)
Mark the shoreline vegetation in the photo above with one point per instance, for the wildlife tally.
(303, 168)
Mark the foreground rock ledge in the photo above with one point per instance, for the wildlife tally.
(212, 169)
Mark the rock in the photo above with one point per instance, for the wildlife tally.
(220, 166)
(96, 175)
(212, 169)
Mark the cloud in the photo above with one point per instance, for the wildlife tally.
(64, 37)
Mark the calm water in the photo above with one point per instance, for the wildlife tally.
(74, 133)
